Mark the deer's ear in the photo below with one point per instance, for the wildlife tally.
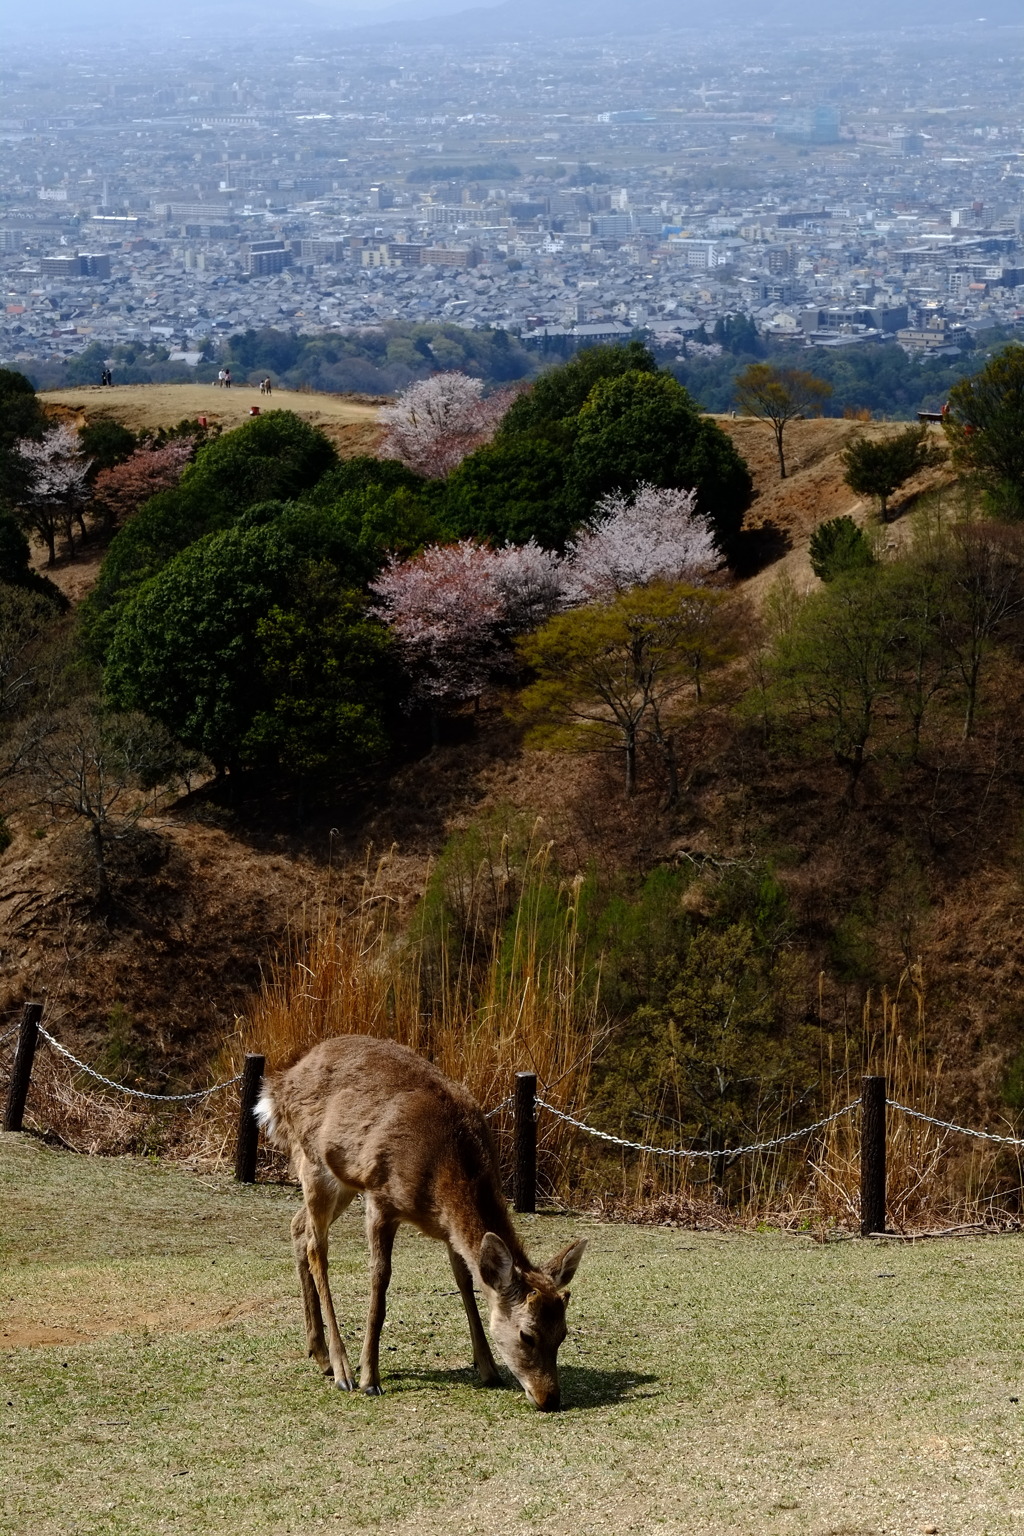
(565, 1264)
(497, 1269)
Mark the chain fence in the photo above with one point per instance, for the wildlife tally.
(703, 1154)
(524, 1115)
(506, 1101)
(949, 1125)
(134, 1093)
(764, 1146)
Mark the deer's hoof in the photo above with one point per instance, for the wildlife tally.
(373, 1391)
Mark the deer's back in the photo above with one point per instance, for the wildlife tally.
(383, 1119)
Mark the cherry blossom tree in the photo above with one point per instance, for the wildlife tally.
(531, 584)
(655, 534)
(444, 608)
(436, 422)
(121, 490)
(58, 486)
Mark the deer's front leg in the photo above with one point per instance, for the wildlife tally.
(380, 1235)
(482, 1357)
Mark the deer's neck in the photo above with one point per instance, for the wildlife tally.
(473, 1210)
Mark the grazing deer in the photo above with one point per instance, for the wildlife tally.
(358, 1113)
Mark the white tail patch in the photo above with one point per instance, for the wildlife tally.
(264, 1112)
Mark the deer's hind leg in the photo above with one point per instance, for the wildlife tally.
(325, 1199)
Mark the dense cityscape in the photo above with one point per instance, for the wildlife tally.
(835, 195)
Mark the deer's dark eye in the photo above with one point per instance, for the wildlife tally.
(527, 1338)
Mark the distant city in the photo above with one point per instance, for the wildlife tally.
(837, 194)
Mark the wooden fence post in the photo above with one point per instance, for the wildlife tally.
(21, 1072)
(248, 1128)
(524, 1188)
(872, 1156)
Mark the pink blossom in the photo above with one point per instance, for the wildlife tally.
(436, 422)
(531, 583)
(653, 535)
(123, 488)
(59, 469)
(444, 608)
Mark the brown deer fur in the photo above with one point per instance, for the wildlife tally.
(361, 1114)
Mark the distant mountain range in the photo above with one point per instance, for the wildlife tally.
(629, 18)
(102, 18)
(424, 21)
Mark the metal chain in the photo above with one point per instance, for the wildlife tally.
(135, 1093)
(948, 1125)
(9, 1032)
(499, 1107)
(757, 1146)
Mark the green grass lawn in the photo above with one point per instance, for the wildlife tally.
(154, 1378)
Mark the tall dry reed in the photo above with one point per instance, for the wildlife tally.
(934, 1176)
(516, 998)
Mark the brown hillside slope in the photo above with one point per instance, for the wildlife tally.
(199, 913)
(814, 489)
(218, 899)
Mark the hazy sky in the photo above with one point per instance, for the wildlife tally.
(132, 17)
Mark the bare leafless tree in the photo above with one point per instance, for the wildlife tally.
(102, 769)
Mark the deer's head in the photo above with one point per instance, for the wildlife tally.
(527, 1315)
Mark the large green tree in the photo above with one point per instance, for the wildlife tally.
(249, 651)
(20, 416)
(562, 392)
(984, 426)
(274, 457)
(332, 681)
(512, 491)
(644, 427)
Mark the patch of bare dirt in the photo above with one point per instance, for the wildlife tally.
(76, 574)
(175, 1318)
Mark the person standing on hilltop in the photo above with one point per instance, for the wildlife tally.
(226, 377)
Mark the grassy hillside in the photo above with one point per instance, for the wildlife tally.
(349, 421)
(228, 881)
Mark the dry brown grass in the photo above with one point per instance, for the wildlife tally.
(516, 1001)
(527, 1008)
(501, 989)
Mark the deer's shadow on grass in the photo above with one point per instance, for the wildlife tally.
(583, 1386)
